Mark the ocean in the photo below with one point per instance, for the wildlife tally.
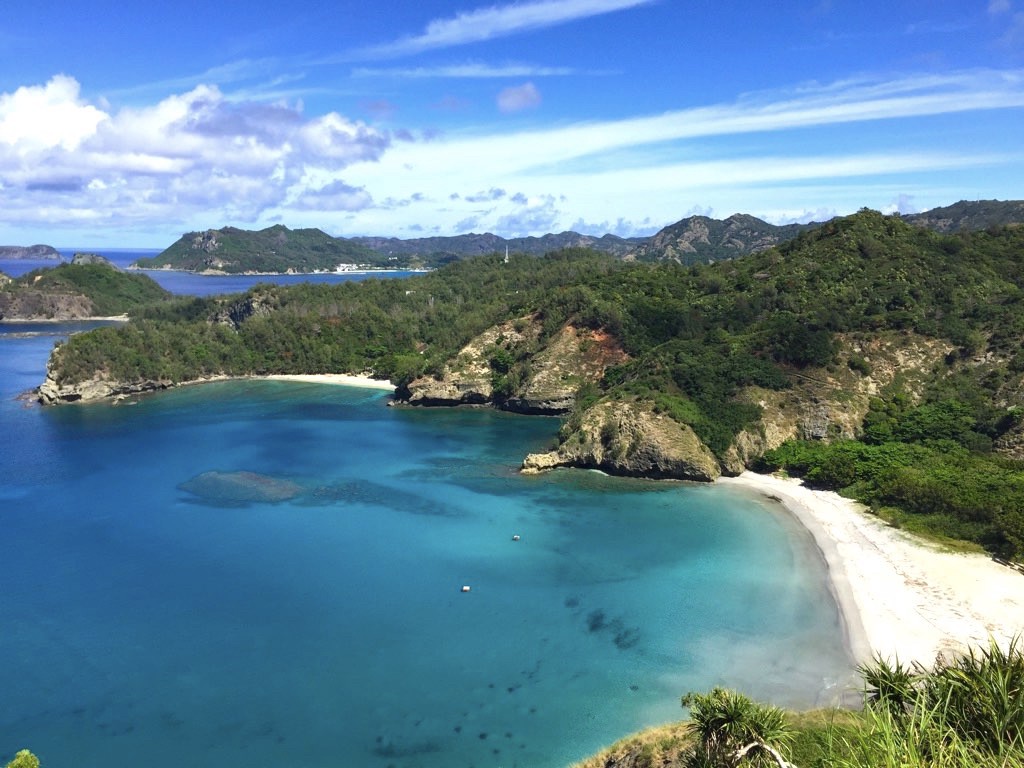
(263, 573)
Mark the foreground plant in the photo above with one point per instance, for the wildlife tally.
(24, 759)
(731, 728)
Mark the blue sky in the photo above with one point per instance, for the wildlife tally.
(129, 123)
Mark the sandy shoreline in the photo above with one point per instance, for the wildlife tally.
(343, 379)
(899, 596)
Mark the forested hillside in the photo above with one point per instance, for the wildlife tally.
(866, 332)
(76, 290)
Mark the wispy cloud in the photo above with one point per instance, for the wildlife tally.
(842, 103)
(647, 165)
(497, 21)
(466, 71)
(519, 97)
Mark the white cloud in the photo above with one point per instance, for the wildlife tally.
(499, 21)
(51, 115)
(996, 7)
(195, 152)
(518, 98)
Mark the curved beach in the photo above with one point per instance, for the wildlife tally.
(900, 596)
(342, 379)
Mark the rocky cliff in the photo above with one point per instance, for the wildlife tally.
(830, 403)
(511, 367)
(51, 392)
(44, 305)
(625, 438)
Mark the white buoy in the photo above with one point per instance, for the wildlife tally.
(515, 537)
(465, 588)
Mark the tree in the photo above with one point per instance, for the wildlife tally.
(731, 728)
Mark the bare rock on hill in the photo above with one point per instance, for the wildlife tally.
(44, 305)
(571, 358)
(510, 367)
(630, 439)
(468, 379)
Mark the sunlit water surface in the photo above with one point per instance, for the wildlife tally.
(158, 610)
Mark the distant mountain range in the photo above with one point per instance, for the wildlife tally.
(696, 239)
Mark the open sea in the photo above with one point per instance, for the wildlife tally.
(254, 573)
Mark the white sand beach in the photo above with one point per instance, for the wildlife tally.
(343, 379)
(901, 597)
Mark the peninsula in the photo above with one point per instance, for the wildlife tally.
(29, 252)
(87, 287)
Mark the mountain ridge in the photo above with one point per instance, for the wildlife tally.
(691, 240)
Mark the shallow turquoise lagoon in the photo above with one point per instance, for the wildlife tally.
(159, 611)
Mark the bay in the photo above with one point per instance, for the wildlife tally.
(159, 609)
(191, 284)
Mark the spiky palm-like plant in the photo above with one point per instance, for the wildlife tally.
(731, 728)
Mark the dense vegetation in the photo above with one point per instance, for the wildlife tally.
(274, 249)
(967, 712)
(110, 291)
(697, 337)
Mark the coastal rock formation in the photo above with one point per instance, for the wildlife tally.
(28, 252)
(51, 392)
(510, 367)
(630, 439)
(44, 305)
(468, 379)
(571, 358)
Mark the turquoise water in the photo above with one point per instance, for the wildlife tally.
(155, 614)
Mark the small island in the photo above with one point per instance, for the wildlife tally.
(25, 252)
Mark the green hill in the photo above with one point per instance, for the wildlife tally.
(77, 290)
(275, 249)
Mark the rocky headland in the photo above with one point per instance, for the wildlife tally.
(29, 252)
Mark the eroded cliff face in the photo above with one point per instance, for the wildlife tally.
(468, 379)
(39, 305)
(624, 438)
(828, 404)
(532, 377)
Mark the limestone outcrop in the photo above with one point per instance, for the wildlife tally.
(51, 392)
(508, 366)
(469, 379)
(624, 438)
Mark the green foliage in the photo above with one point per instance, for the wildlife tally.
(274, 249)
(111, 291)
(942, 488)
(725, 722)
(24, 759)
(976, 697)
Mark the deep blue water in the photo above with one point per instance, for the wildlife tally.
(185, 283)
(154, 617)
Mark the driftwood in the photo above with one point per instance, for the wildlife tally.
(742, 752)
